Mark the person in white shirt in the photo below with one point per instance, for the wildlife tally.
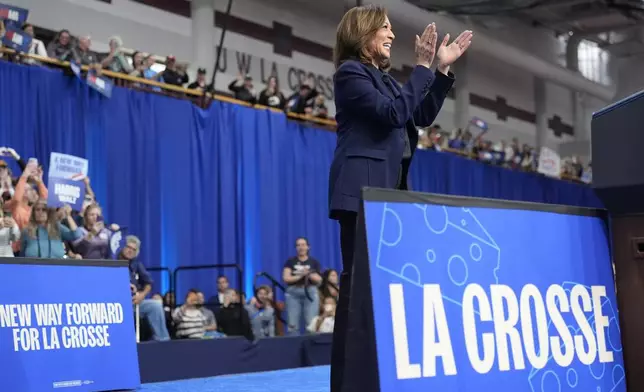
(37, 47)
(325, 322)
(9, 233)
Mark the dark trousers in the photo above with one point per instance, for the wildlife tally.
(348, 223)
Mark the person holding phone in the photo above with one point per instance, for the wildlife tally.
(94, 242)
(28, 190)
(44, 235)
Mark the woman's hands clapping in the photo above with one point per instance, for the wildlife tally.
(426, 46)
(448, 54)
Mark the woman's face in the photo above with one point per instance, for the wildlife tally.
(272, 82)
(64, 38)
(40, 213)
(29, 29)
(113, 44)
(91, 216)
(333, 277)
(380, 45)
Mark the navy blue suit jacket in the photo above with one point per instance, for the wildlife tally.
(373, 114)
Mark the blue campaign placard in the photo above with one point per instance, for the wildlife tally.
(64, 191)
(66, 327)
(17, 39)
(13, 16)
(477, 299)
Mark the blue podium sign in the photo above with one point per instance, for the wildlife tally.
(66, 325)
(480, 295)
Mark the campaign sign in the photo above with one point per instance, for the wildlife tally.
(63, 191)
(477, 295)
(67, 166)
(12, 15)
(66, 325)
(102, 85)
(17, 39)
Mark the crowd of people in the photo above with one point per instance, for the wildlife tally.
(30, 228)
(511, 155)
(311, 296)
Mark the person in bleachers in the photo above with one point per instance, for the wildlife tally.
(243, 89)
(329, 286)
(325, 321)
(44, 235)
(271, 96)
(174, 74)
(233, 319)
(116, 61)
(36, 47)
(61, 46)
(527, 158)
(456, 140)
(222, 287)
(9, 234)
(301, 274)
(298, 102)
(189, 320)
(138, 65)
(211, 321)
(141, 285)
(151, 74)
(261, 313)
(317, 107)
(200, 83)
(82, 53)
(95, 240)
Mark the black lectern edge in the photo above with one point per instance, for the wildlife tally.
(397, 196)
(63, 262)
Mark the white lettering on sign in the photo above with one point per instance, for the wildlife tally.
(17, 39)
(67, 193)
(13, 15)
(519, 326)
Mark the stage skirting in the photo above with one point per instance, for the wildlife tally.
(184, 359)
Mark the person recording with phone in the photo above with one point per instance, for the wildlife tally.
(95, 240)
(376, 136)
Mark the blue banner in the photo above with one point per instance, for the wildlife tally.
(63, 191)
(100, 84)
(13, 16)
(55, 334)
(17, 39)
(477, 299)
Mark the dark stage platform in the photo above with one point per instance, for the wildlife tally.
(184, 359)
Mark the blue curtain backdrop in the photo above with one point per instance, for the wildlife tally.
(228, 184)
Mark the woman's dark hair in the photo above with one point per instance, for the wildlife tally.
(324, 287)
(354, 32)
(302, 238)
(24, 26)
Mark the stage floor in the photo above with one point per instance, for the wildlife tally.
(311, 379)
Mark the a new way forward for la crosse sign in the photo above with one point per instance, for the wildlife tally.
(475, 295)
